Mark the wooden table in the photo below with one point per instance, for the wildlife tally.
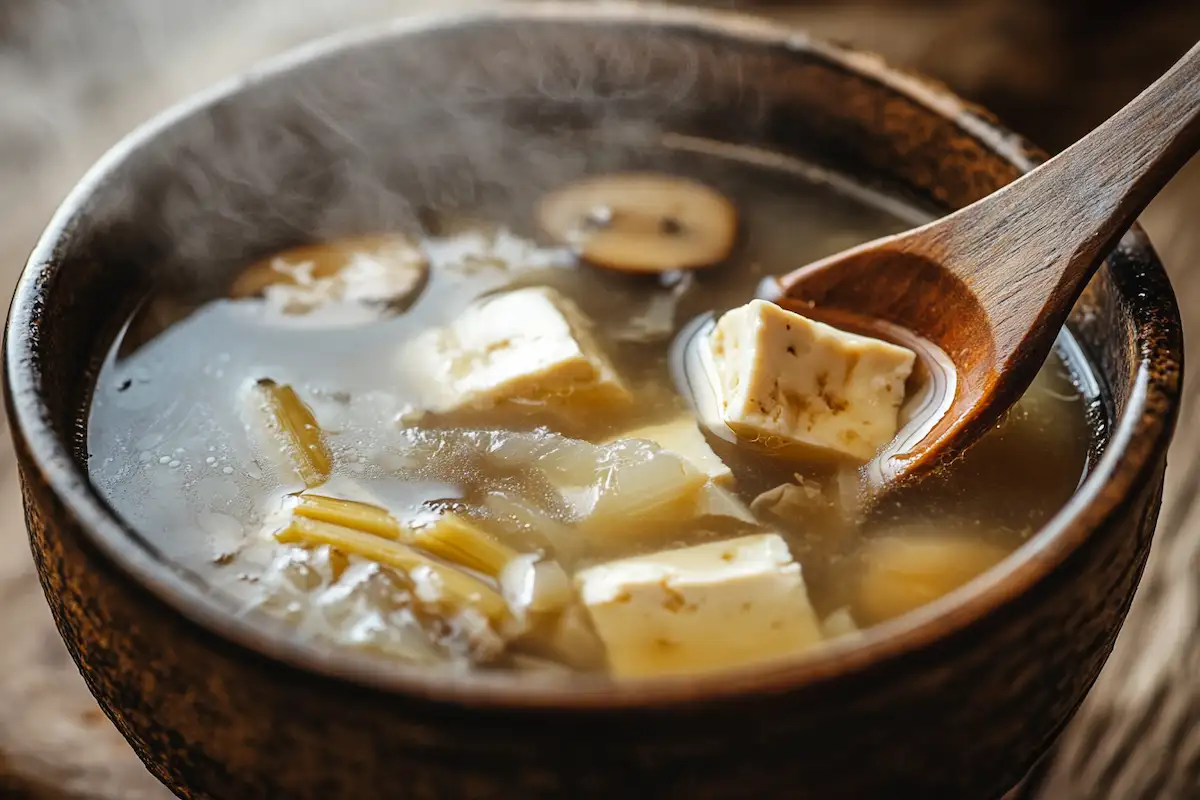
(1138, 735)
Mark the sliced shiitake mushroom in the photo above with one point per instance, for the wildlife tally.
(642, 222)
(385, 271)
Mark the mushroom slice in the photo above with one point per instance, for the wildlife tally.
(379, 271)
(642, 222)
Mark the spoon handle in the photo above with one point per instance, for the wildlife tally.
(1054, 225)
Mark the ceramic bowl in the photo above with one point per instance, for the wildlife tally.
(958, 699)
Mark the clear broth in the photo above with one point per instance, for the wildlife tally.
(169, 446)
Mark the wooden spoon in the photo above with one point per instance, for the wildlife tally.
(991, 285)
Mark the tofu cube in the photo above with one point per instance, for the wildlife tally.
(698, 609)
(530, 346)
(682, 436)
(793, 384)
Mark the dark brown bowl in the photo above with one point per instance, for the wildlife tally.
(956, 700)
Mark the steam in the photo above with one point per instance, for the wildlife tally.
(76, 75)
(317, 156)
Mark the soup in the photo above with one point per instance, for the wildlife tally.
(468, 447)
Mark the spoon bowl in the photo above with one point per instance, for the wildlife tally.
(929, 393)
(912, 301)
(987, 289)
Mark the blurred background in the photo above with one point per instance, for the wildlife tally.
(77, 74)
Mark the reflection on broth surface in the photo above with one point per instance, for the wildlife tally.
(466, 449)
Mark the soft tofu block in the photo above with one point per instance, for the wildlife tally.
(791, 383)
(526, 346)
(682, 436)
(698, 609)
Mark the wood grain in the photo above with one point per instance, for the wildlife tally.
(1137, 735)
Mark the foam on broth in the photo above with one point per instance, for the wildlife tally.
(169, 445)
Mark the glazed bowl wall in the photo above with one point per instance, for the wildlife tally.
(490, 110)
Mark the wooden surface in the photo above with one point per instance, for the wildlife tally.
(70, 88)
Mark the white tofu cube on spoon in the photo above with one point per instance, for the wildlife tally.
(802, 387)
(699, 609)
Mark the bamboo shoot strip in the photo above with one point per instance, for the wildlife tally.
(349, 514)
(458, 589)
(457, 539)
(449, 537)
(294, 424)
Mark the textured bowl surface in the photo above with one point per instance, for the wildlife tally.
(956, 700)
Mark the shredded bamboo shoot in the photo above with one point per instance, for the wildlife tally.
(349, 514)
(293, 425)
(458, 589)
(457, 539)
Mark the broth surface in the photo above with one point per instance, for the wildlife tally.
(169, 443)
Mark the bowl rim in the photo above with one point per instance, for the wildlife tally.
(1137, 442)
